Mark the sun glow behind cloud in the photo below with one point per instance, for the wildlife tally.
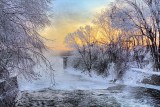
(68, 16)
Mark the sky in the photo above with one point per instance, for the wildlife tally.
(69, 15)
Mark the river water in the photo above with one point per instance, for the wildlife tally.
(70, 80)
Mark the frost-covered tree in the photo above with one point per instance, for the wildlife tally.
(114, 41)
(140, 18)
(20, 43)
(84, 42)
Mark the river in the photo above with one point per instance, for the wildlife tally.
(68, 81)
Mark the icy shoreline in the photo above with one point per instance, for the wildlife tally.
(116, 96)
(70, 80)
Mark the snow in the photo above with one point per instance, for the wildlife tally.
(146, 71)
(71, 79)
(74, 79)
(134, 76)
(68, 79)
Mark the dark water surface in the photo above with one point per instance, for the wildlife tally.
(116, 96)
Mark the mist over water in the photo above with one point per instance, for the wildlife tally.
(129, 93)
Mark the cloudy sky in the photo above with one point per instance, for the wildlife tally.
(69, 15)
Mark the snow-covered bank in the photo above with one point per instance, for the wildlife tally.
(135, 77)
(146, 71)
(70, 79)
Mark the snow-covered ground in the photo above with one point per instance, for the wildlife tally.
(68, 79)
(134, 77)
(71, 79)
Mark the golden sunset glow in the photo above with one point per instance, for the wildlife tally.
(68, 16)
